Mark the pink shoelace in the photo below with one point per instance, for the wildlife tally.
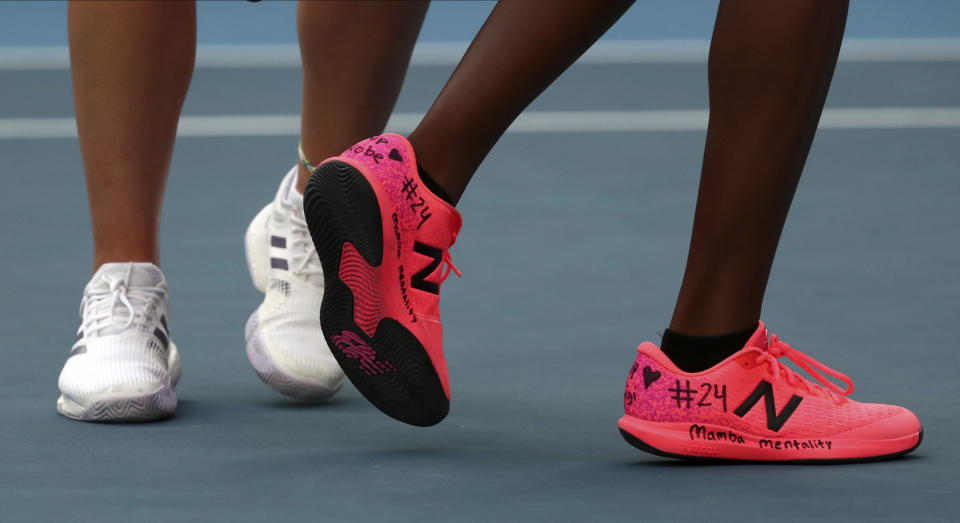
(777, 349)
(448, 263)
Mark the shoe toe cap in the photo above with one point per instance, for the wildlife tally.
(897, 425)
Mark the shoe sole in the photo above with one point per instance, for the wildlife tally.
(341, 207)
(278, 380)
(157, 405)
(151, 407)
(671, 444)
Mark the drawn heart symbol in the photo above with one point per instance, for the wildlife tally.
(649, 376)
(395, 155)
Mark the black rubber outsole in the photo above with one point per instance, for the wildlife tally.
(642, 445)
(341, 207)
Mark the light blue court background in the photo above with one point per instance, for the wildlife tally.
(44, 23)
(572, 249)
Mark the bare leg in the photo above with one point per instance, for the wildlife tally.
(770, 68)
(522, 47)
(355, 55)
(131, 64)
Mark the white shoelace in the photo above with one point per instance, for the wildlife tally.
(304, 256)
(99, 305)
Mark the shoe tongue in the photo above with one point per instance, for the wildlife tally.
(142, 274)
(759, 338)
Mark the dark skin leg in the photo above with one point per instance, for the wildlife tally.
(521, 49)
(770, 68)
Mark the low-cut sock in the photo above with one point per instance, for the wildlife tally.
(433, 185)
(699, 353)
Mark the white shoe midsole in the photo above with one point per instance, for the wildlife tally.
(280, 374)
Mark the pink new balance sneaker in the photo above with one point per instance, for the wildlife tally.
(753, 407)
(383, 240)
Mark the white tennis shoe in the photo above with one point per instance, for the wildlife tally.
(123, 365)
(284, 342)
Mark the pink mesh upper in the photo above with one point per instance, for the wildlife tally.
(665, 398)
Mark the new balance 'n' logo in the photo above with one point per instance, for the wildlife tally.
(765, 390)
(419, 281)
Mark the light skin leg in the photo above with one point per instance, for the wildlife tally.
(128, 97)
(131, 64)
(355, 56)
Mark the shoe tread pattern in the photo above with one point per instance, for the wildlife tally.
(341, 207)
(155, 406)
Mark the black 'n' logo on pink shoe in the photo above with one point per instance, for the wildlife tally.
(775, 421)
(419, 280)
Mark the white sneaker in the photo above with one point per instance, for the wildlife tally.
(284, 342)
(123, 365)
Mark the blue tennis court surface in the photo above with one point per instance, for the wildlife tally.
(572, 251)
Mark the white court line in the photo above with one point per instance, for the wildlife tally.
(449, 53)
(530, 122)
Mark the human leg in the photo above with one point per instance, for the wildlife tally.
(383, 234)
(769, 71)
(131, 65)
(521, 49)
(699, 394)
(355, 55)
